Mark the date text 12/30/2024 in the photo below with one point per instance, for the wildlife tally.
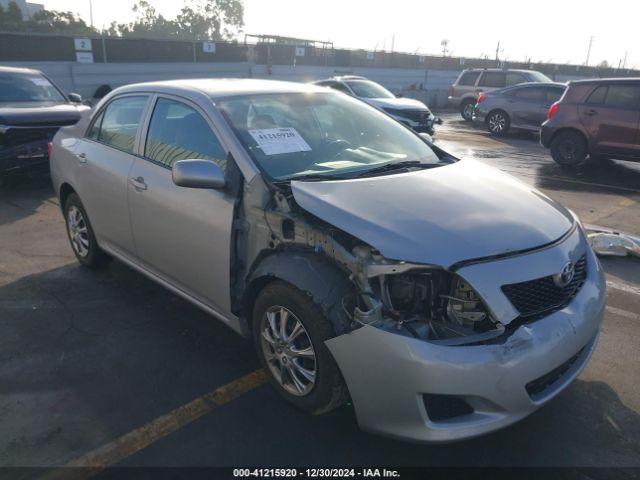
(315, 473)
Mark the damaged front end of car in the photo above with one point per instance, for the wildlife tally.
(430, 353)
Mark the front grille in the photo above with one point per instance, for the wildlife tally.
(538, 387)
(542, 296)
(415, 115)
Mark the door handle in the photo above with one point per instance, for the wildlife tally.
(138, 183)
(591, 112)
(82, 157)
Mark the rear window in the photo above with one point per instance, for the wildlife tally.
(530, 93)
(515, 79)
(623, 96)
(118, 124)
(468, 79)
(492, 79)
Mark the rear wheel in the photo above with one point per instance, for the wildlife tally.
(498, 122)
(289, 332)
(80, 233)
(569, 148)
(466, 109)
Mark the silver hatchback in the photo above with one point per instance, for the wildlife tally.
(445, 298)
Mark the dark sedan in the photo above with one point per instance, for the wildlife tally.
(32, 109)
(521, 107)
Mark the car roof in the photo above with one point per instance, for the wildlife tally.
(339, 78)
(222, 87)
(607, 80)
(4, 69)
(500, 70)
(539, 84)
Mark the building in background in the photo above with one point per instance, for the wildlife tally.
(28, 9)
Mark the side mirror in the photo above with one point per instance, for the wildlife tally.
(75, 98)
(428, 139)
(198, 174)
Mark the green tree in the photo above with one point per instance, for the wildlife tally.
(51, 21)
(199, 19)
(12, 19)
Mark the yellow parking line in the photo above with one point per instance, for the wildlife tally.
(140, 438)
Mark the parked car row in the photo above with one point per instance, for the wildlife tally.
(597, 118)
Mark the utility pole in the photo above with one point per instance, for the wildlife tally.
(393, 42)
(91, 12)
(624, 62)
(498, 52)
(586, 64)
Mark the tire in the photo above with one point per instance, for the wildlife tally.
(327, 389)
(569, 149)
(498, 122)
(80, 233)
(466, 109)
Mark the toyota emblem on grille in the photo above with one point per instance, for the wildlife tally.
(565, 276)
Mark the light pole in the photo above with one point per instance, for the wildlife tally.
(91, 12)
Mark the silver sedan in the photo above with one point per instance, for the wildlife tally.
(445, 298)
(522, 107)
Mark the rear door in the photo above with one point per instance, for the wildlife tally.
(611, 115)
(183, 235)
(466, 84)
(527, 106)
(104, 158)
(491, 81)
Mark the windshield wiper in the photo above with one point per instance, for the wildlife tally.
(396, 166)
(312, 177)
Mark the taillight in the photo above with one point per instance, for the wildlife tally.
(49, 147)
(553, 109)
(452, 91)
(480, 97)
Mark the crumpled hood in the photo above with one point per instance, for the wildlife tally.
(438, 216)
(40, 114)
(398, 103)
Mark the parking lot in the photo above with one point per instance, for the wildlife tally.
(108, 368)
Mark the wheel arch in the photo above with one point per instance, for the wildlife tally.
(584, 136)
(311, 273)
(65, 190)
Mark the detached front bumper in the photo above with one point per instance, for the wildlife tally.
(393, 378)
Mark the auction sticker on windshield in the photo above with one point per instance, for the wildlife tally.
(274, 141)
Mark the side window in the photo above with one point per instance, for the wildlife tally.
(179, 132)
(118, 124)
(530, 93)
(597, 96)
(492, 79)
(468, 79)
(94, 131)
(515, 79)
(623, 96)
(340, 87)
(554, 94)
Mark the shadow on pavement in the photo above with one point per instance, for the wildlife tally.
(20, 196)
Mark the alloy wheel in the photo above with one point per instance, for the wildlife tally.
(467, 112)
(288, 350)
(78, 232)
(497, 123)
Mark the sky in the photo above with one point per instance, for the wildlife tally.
(555, 31)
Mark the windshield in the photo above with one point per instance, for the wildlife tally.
(539, 77)
(367, 89)
(323, 134)
(27, 87)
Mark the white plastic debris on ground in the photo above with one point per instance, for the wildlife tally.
(607, 242)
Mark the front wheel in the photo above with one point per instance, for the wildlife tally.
(498, 123)
(289, 332)
(569, 148)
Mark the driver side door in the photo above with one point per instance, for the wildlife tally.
(182, 235)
